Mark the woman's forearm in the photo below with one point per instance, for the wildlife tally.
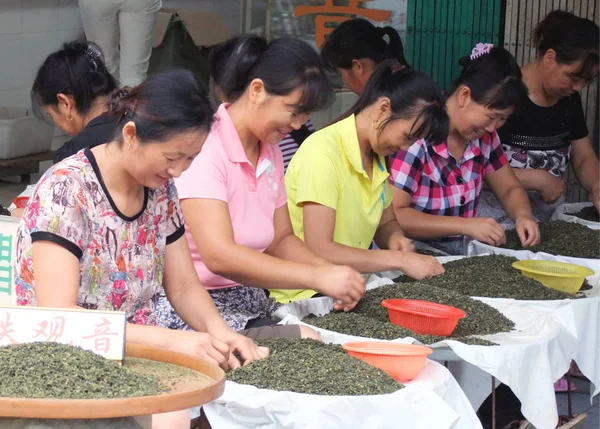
(362, 260)
(529, 178)
(292, 248)
(252, 268)
(422, 226)
(516, 203)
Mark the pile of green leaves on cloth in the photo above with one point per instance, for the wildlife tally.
(561, 238)
(370, 319)
(313, 367)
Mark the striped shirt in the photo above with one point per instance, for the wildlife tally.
(289, 146)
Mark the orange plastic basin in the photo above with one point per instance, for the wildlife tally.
(423, 317)
(403, 362)
(20, 202)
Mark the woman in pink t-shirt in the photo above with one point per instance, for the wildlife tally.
(233, 196)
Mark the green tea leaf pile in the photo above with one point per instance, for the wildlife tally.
(561, 238)
(368, 327)
(481, 320)
(57, 371)
(493, 276)
(313, 367)
(588, 213)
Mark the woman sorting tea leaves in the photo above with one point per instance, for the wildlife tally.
(356, 48)
(338, 194)
(218, 64)
(437, 183)
(104, 230)
(233, 195)
(549, 131)
(72, 86)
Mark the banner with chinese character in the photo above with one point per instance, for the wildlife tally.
(102, 332)
(8, 241)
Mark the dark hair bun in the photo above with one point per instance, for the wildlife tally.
(121, 103)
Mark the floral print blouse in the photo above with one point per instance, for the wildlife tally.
(121, 258)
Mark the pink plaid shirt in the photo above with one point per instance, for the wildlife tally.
(440, 185)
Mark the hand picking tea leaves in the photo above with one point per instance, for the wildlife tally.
(368, 327)
(481, 318)
(561, 238)
(313, 367)
(57, 371)
(494, 277)
(588, 213)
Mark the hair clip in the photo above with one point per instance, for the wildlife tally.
(396, 67)
(481, 49)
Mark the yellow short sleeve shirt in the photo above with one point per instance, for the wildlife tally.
(328, 170)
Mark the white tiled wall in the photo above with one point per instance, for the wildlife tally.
(31, 29)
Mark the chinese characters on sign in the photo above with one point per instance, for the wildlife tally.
(101, 335)
(329, 13)
(102, 332)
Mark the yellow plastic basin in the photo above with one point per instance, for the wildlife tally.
(556, 275)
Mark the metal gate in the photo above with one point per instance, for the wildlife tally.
(440, 32)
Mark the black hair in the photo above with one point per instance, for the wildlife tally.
(219, 57)
(358, 38)
(412, 94)
(283, 65)
(76, 70)
(572, 38)
(166, 104)
(494, 79)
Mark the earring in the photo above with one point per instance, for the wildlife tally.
(129, 146)
(375, 125)
(70, 118)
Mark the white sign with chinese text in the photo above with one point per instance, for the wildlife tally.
(102, 332)
(8, 241)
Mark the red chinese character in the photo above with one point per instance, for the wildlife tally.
(101, 333)
(57, 328)
(6, 330)
(353, 8)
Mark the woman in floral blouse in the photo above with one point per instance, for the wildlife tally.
(104, 230)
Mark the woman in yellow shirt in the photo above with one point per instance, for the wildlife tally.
(338, 195)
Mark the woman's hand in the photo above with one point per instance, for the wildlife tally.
(528, 230)
(243, 346)
(419, 266)
(596, 197)
(343, 284)
(486, 230)
(549, 186)
(201, 345)
(398, 241)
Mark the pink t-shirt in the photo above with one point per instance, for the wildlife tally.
(222, 172)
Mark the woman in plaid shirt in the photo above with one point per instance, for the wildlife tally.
(437, 186)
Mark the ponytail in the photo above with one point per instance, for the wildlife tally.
(358, 38)
(412, 94)
(284, 65)
(76, 70)
(493, 77)
(163, 105)
(237, 58)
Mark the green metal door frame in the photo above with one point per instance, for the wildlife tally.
(440, 32)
